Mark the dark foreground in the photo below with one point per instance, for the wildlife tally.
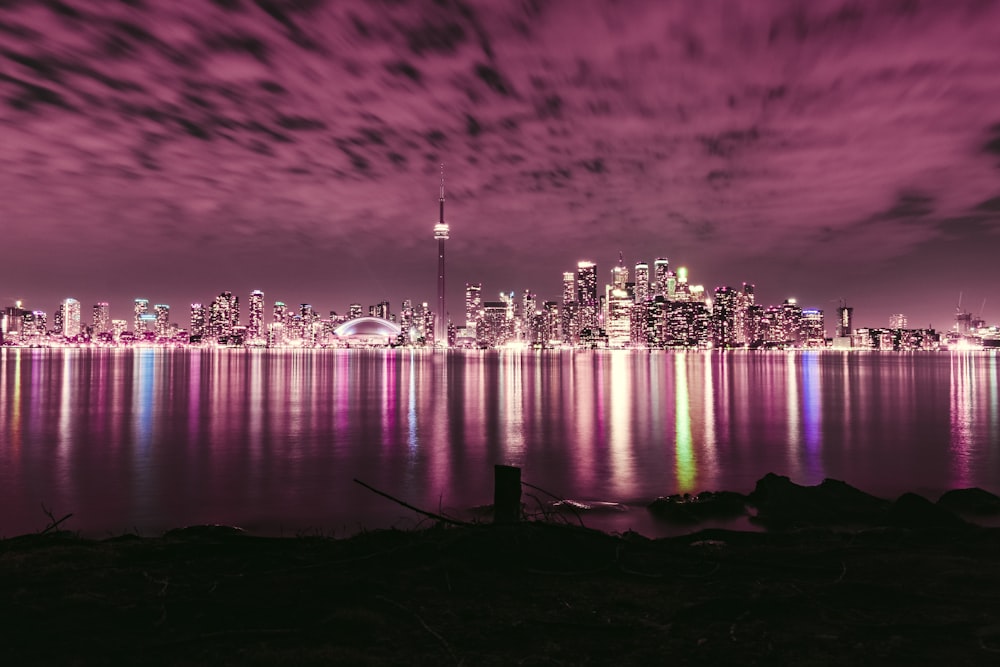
(528, 594)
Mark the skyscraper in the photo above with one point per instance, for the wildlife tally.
(162, 311)
(441, 234)
(141, 308)
(661, 267)
(641, 282)
(197, 321)
(71, 317)
(473, 305)
(255, 322)
(586, 294)
(102, 317)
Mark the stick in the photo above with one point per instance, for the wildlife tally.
(562, 500)
(432, 515)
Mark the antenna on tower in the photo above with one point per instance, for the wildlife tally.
(442, 181)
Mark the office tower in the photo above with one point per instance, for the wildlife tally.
(255, 319)
(102, 317)
(641, 282)
(569, 287)
(812, 329)
(71, 317)
(140, 308)
(118, 327)
(162, 312)
(791, 321)
(493, 328)
(586, 294)
(354, 311)
(618, 322)
(687, 324)
(381, 309)
(897, 321)
(224, 315)
(661, 267)
(725, 318)
(280, 312)
(551, 311)
(197, 321)
(441, 235)
(845, 317)
(528, 307)
(619, 274)
(473, 305)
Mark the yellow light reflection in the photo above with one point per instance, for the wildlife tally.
(622, 473)
(683, 454)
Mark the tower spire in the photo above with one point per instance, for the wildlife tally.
(441, 219)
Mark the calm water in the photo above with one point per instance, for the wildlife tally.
(151, 439)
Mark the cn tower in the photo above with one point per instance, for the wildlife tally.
(441, 234)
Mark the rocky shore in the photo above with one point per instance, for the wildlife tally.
(902, 585)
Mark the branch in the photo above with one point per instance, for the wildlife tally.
(432, 515)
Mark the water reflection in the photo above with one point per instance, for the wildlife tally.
(156, 438)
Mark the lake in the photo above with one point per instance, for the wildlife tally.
(148, 439)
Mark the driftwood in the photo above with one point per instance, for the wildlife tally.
(431, 515)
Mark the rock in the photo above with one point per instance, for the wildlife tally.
(782, 503)
(694, 509)
(913, 511)
(973, 501)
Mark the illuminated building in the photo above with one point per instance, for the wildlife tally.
(641, 282)
(897, 321)
(140, 308)
(618, 322)
(528, 310)
(255, 317)
(791, 321)
(551, 311)
(473, 306)
(725, 329)
(678, 289)
(812, 331)
(493, 329)
(687, 324)
(162, 312)
(845, 317)
(223, 316)
(380, 309)
(661, 270)
(280, 312)
(619, 274)
(71, 318)
(118, 327)
(570, 323)
(441, 235)
(354, 311)
(586, 295)
(197, 322)
(568, 287)
(102, 317)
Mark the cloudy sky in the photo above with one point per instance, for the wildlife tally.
(822, 150)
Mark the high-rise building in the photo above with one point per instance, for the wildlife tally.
(197, 321)
(568, 287)
(812, 331)
(280, 312)
(140, 308)
(255, 319)
(619, 274)
(725, 308)
(618, 322)
(641, 282)
(354, 311)
(71, 317)
(586, 294)
(223, 316)
(473, 306)
(528, 308)
(661, 267)
(118, 327)
(162, 312)
(845, 317)
(102, 317)
(441, 235)
(897, 321)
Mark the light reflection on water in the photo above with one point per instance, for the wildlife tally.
(271, 440)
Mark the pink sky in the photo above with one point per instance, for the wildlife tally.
(822, 150)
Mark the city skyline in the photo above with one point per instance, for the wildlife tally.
(822, 151)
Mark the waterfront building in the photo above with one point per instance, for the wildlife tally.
(255, 316)
(473, 306)
(224, 316)
(568, 287)
(687, 324)
(812, 331)
(280, 312)
(641, 282)
(71, 318)
(586, 295)
(139, 308)
(845, 317)
(661, 271)
(118, 327)
(162, 313)
(354, 311)
(441, 233)
(197, 322)
(493, 329)
(618, 321)
(725, 308)
(897, 321)
(102, 317)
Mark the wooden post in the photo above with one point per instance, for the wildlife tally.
(506, 494)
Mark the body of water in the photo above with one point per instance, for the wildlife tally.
(150, 439)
